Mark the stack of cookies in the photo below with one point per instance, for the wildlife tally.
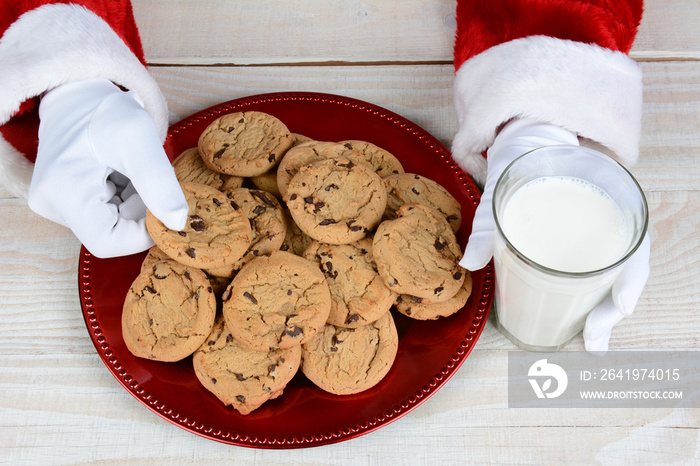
(294, 253)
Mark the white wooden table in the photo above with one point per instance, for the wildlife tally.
(60, 405)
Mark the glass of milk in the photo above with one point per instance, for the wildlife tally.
(567, 218)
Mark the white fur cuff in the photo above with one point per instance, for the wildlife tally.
(593, 92)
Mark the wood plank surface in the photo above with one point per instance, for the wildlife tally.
(60, 405)
(204, 32)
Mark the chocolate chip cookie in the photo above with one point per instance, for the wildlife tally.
(266, 219)
(168, 312)
(190, 168)
(417, 254)
(216, 234)
(415, 308)
(359, 295)
(276, 302)
(267, 182)
(336, 201)
(241, 377)
(344, 361)
(296, 241)
(309, 152)
(381, 160)
(409, 188)
(244, 143)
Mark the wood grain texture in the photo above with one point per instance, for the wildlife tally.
(60, 405)
(204, 32)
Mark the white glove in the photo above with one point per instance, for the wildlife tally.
(517, 138)
(622, 299)
(98, 147)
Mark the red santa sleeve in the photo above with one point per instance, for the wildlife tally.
(562, 62)
(44, 44)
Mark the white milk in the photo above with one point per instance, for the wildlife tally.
(568, 225)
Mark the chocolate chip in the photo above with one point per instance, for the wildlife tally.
(352, 318)
(333, 349)
(216, 201)
(240, 398)
(440, 246)
(438, 289)
(399, 299)
(252, 223)
(240, 377)
(293, 331)
(331, 186)
(210, 289)
(159, 277)
(150, 321)
(220, 153)
(149, 289)
(347, 165)
(416, 177)
(211, 343)
(457, 275)
(328, 221)
(196, 295)
(348, 145)
(293, 196)
(229, 338)
(408, 311)
(309, 200)
(415, 190)
(271, 368)
(452, 218)
(182, 233)
(363, 251)
(271, 158)
(213, 380)
(417, 300)
(259, 209)
(186, 274)
(197, 223)
(263, 197)
(353, 227)
(318, 206)
(192, 252)
(250, 297)
(234, 205)
(289, 292)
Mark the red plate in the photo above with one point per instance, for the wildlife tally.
(304, 416)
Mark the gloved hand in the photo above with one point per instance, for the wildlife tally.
(622, 299)
(99, 164)
(516, 138)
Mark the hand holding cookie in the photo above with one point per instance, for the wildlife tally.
(93, 174)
